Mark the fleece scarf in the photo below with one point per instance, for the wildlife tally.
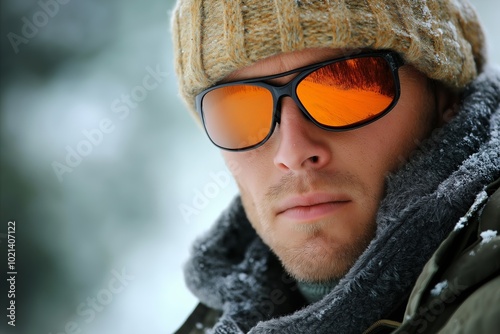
(232, 270)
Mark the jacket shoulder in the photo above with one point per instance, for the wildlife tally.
(459, 288)
(479, 313)
(201, 318)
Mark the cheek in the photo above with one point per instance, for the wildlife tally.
(384, 146)
(249, 168)
(389, 144)
(369, 164)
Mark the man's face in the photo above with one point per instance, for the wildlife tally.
(312, 195)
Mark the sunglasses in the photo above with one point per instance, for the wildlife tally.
(336, 95)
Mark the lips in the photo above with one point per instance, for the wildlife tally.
(311, 206)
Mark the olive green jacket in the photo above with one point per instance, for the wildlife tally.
(458, 290)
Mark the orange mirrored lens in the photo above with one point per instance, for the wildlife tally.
(348, 92)
(238, 116)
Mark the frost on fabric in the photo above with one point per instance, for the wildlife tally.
(471, 139)
(426, 20)
(453, 30)
(452, 42)
(461, 223)
(480, 198)
(320, 314)
(439, 288)
(487, 236)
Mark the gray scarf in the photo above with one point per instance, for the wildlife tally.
(232, 270)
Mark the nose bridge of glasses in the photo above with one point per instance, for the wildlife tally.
(280, 92)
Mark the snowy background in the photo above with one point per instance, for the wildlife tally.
(99, 160)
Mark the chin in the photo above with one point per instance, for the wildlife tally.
(317, 261)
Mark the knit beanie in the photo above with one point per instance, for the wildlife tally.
(212, 38)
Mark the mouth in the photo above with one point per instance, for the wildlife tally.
(310, 207)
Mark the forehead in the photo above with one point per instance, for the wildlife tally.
(287, 61)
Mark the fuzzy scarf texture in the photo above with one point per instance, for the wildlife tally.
(232, 270)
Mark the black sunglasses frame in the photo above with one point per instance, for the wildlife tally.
(289, 89)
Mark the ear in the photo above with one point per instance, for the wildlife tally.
(447, 103)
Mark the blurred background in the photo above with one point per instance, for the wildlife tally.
(105, 174)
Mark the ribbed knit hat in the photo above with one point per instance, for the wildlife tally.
(212, 38)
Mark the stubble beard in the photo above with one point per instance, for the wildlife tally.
(317, 256)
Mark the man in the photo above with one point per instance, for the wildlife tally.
(364, 139)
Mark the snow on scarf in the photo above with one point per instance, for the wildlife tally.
(233, 271)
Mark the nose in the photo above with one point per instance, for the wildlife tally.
(302, 145)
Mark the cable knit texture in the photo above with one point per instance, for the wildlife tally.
(232, 270)
(212, 38)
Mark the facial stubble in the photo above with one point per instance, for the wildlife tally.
(312, 253)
